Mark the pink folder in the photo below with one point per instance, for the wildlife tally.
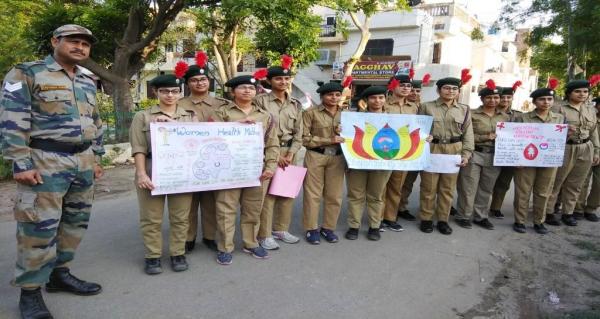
(287, 183)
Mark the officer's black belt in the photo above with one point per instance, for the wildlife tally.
(286, 144)
(58, 147)
(321, 150)
(451, 140)
(484, 149)
(578, 141)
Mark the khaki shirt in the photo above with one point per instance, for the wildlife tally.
(288, 116)
(533, 117)
(513, 115)
(319, 126)
(232, 113)
(392, 106)
(205, 107)
(484, 124)
(584, 119)
(450, 122)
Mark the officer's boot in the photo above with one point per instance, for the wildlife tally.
(62, 280)
(32, 306)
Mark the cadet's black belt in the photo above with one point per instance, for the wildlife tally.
(149, 155)
(338, 150)
(484, 149)
(58, 147)
(578, 141)
(286, 144)
(451, 140)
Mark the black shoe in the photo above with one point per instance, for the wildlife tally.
(551, 220)
(393, 226)
(464, 223)
(453, 211)
(578, 215)
(178, 263)
(189, 246)
(32, 306)
(496, 214)
(591, 217)
(373, 234)
(444, 228)
(519, 228)
(540, 229)
(210, 244)
(62, 280)
(485, 223)
(406, 215)
(568, 220)
(352, 234)
(426, 226)
(152, 266)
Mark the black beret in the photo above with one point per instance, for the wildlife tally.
(542, 92)
(487, 91)
(576, 84)
(277, 71)
(402, 78)
(195, 70)
(448, 81)
(417, 84)
(506, 90)
(330, 87)
(165, 80)
(242, 79)
(373, 90)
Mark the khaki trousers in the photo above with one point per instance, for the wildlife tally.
(407, 188)
(151, 217)
(501, 187)
(475, 184)
(589, 200)
(208, 215)
(570, 177)
(437, 190)
(393, 194)
(276, 214)
(538, 180)
(227, 203)
(324, 180)
(366, 186)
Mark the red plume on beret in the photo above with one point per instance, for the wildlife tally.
(411, 73)
(393, 84)
(260, 74)
(552, 83)
(426, 79)
(465, 76)
(201, 59)
(516, 85)
(490, 84)
(594, 80)
(347, 81)
(286, 61)
(180, 68)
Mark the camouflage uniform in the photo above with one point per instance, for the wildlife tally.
(204, 109)
(40, 102)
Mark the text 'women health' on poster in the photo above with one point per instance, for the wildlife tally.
(385, 141)
(191, 157)
(530, 144)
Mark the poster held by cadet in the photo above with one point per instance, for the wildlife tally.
(530, 144)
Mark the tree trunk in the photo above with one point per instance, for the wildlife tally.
(365, 35)
(123, 103)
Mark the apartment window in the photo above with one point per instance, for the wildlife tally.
(439, 11)
(504, 46)
(328, 29)
(437, 53)
(439, 26)
(380, 47)
(330, 20)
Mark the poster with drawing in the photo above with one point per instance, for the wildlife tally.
(530, 144)
(192, 157)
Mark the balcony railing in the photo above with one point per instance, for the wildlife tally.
(327, 31)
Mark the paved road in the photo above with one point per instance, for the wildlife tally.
(405, 275)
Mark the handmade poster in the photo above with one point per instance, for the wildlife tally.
(287, 182)
(530, 144)
(191, 157)
(385, 141)
(443, 164)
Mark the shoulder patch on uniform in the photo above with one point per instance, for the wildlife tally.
(11, 87)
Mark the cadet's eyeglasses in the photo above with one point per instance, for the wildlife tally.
(196, 81)
(167, 91)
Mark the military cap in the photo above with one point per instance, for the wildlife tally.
(195, 70)
(506, 90)
(373, 90)
(576, 84)
(448, 81)
(417, 84)
(330, 87)
(542, 92)
(402, 78)
(165, 80)
(240, 80)
(489, 89)
(74, 29)
(277, 71)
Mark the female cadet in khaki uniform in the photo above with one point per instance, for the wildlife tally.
(325, 164)
(243, 89)
(581, 152)
(452, 134)
(538, 180)
(167, 88)
(367, 186)
(476, 180)
(589, 200)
